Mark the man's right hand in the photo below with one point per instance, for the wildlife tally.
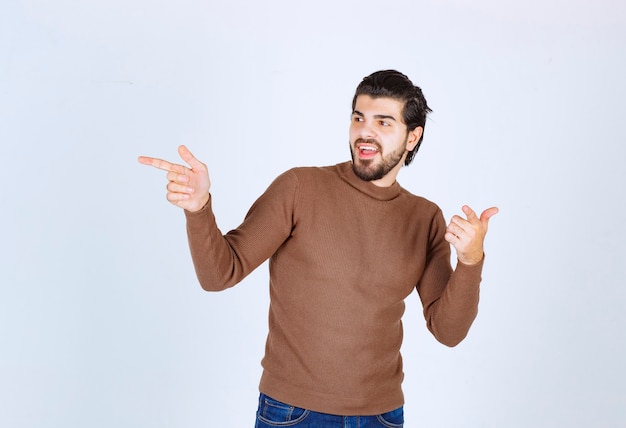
(187, 187)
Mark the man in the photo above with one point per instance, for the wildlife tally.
(346, 245)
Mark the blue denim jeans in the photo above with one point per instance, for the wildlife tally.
(273, 413)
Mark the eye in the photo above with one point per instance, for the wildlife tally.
(357, 119)
(384, 123)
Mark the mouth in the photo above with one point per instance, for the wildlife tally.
(367, 150)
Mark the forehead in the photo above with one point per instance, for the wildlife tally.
(368, 105)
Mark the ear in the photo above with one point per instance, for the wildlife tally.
(413, 137)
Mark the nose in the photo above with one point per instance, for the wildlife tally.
(366, 130)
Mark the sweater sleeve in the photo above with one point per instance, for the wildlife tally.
(221, 261)
(450, 298)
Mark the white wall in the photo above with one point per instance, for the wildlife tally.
(102, 322)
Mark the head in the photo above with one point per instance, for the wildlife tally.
(396, 86)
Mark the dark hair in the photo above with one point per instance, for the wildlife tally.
(395, 85)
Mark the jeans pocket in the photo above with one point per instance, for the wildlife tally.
(393, 419)
(274, 413)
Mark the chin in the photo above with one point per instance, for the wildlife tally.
(366, 171)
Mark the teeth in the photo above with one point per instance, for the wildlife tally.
(368, 149)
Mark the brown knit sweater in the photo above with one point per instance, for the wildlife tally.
(344, 254)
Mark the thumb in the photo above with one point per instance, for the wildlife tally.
(188, 157)
(487, 214)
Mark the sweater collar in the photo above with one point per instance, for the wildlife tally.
(381, 193)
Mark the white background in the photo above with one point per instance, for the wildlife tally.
(102, 322)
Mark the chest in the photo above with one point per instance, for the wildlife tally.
(378, 248)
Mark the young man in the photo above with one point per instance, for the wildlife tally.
(346, 245)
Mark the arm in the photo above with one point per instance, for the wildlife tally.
(450, 298)
(221, 261)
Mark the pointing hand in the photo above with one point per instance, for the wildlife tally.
(187, 187)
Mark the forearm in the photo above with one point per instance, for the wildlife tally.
(450, 317)
(213, 258)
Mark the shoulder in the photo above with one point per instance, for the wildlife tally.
(319, 170)
(313, 173)
(421, 202)
(301, 179)
(425, 213)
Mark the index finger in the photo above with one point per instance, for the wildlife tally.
(471, 215)
(161, 164)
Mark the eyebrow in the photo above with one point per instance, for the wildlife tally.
(376, 116)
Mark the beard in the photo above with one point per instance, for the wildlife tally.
(370, 169)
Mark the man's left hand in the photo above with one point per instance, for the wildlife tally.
(468, 235)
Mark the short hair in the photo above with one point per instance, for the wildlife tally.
(395, 85)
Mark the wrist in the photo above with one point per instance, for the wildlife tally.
(201, 204)
(471, 261)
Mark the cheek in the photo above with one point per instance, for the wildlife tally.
(353, 132)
